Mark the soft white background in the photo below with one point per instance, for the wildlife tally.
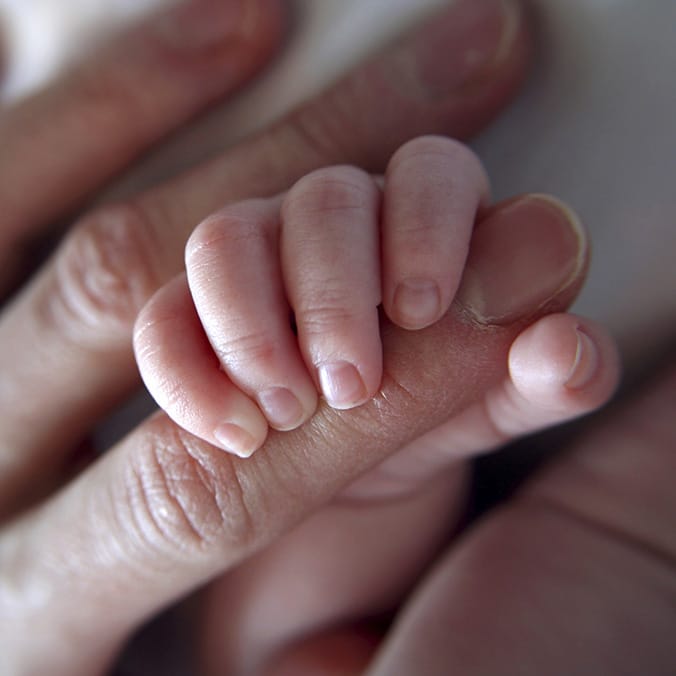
(596, 125)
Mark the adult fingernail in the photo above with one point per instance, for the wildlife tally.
(341, 385)
(586, 362)
(198, 25)
(464, 44)
(281, 407)
(235, 439)
(417, 303)
(521, 258)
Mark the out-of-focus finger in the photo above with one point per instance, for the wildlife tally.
(183, 375)
(331, 266)
(78, 316)
(349, 562)
(164, 512)
(433, 189)
(590, 537)
(65, 142)
(345, 651)
(233, 264)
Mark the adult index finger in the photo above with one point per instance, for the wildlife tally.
(64, 143)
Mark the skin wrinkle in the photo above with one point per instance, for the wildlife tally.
(234, 516)
(229, 225)
(209, 460)
(104, 274)
(180, 491)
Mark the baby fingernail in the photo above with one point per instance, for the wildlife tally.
(341, 384)
(521, 258)
(235, 439)
(201, 24)
(281, 407)
(586, 362)
(417, 303)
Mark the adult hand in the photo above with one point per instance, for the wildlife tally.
(576, 574)
(163, 513)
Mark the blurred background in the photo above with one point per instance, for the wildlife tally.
(596, 124)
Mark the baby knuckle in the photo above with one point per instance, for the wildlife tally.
(434, 147)
(247, 348)
(332, 190)
(183, 497)
(325, 315)
(236, 224)
(104, 274)
(441, 151)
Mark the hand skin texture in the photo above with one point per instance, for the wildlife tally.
(332, 250)
(163, 513)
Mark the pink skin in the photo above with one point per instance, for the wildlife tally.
(163, 512)
(331, 250)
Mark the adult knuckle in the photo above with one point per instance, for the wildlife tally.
(182, 496)
(104, 274)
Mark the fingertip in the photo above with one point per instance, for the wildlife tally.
(457, 158)
(239, 440)
(565, 362)
(182, 374)
(343, 385)
(416, 304)
(288, 408)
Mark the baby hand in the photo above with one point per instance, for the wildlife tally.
(281, 295)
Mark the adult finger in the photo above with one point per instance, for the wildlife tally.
(361, 571)
(176, 511)
(590, 538)
(84, 304)
(349, 562)
(561, 367)
(545, 362)
(63, 143)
